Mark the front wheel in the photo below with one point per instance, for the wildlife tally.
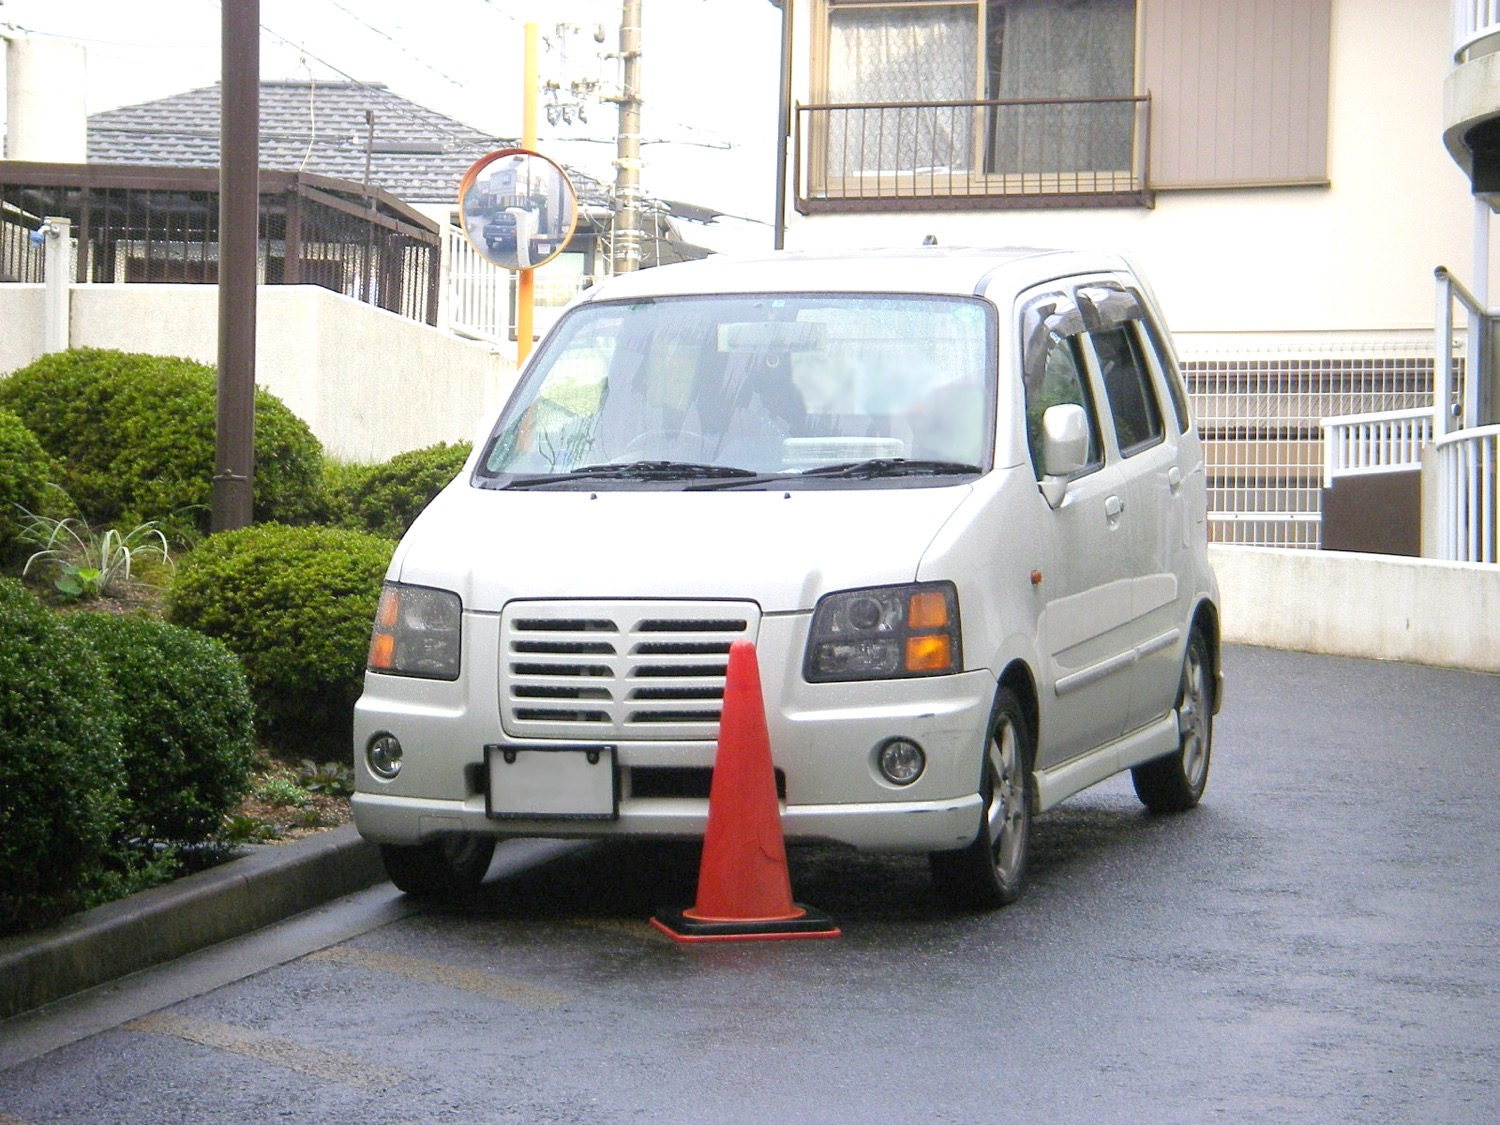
(991, 871)
(1176, 782)
(447, 867)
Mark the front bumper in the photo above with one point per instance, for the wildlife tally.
(887, 826)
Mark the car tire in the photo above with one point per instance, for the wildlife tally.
(448, 867)
(1175, 783)
(991, 871)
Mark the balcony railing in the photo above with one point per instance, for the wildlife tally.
(1469, 495)
(1476, 28)
(973, 154)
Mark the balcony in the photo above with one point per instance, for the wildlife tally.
(1476, 29)
(966, 155)
(1471, 96)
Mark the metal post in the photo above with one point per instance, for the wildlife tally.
(627, 225)
(783, 123)
(57, 263)
(239, 207)
(1443, 376)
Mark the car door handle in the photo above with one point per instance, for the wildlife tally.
(1174, 480)
(1113, 506)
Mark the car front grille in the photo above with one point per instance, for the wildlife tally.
(618, 670)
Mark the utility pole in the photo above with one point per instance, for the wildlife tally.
(239, 210)
(627, 224)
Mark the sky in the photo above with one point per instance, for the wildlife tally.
(708, 69)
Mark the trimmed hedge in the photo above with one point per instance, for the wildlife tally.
(295, 604)
(60, 764)
(385, 499)
(186, 723)
(25, 473)
(134, 437)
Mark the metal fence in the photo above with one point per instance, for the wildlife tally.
(1262, 416)
(141, 224)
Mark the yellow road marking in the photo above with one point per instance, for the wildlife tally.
(627, 926)
(449, 976)
(332, 1065)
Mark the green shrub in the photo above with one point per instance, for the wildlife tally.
(25, 473)
(134, 437)
(60, 764)
(384, 499)
(186, 724)
(296, 605)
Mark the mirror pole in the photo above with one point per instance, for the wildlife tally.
(525, 281)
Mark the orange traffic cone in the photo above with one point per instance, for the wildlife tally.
(744, 891)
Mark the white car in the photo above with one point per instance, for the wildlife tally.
(953, 497)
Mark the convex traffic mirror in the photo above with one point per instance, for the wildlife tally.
(517, 207)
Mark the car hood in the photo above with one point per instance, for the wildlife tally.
(782, 549)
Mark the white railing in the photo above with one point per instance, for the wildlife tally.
(1467, 515)
(476, 300)
(1473, 20)
(1381, 442)
(479, 296)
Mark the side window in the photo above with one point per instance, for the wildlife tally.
(1127, 385)
(1168, 364)
(1052, 371)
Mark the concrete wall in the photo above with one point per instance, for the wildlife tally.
(1415, 610)
(369, 383)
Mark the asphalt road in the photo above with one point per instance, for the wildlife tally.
(1317, 942)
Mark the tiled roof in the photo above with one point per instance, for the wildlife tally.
(417, 154)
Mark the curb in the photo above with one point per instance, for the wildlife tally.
(270, 883)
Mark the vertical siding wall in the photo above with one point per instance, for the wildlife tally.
(1239, 91)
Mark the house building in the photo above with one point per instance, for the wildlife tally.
(1276, 166)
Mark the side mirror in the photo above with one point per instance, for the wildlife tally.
(1065, 449)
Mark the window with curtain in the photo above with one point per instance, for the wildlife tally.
(1060, 49)
(903, 53)
(893, 51)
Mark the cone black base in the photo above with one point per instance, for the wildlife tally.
(809, 924)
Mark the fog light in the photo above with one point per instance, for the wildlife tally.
(901, 761)
(384, 755)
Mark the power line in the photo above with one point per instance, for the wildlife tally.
(398, 44)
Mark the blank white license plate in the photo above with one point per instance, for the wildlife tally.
(571, 782)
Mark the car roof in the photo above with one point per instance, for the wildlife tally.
(921, 269)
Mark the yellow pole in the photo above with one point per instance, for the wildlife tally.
(525, 286)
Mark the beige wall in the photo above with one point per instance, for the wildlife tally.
(369, 383)
(1355, 256)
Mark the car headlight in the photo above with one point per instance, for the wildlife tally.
(885, 632)
(416, 632)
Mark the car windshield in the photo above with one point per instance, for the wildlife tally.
(727, 390)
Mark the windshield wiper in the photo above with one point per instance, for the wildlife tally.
(892, 467)
(848, 470)
(635, 470)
